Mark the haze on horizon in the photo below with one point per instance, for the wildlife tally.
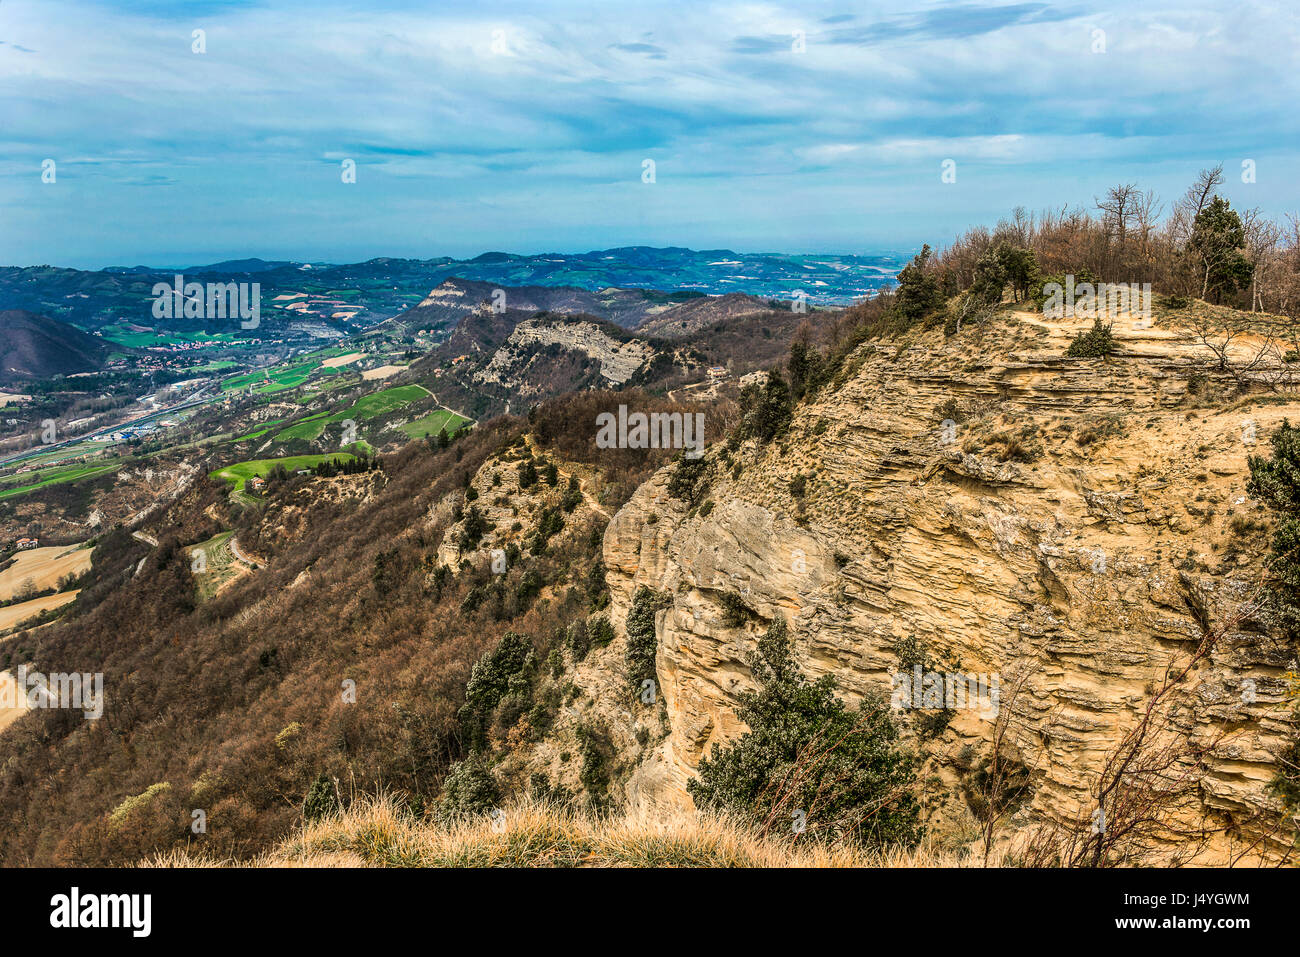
(525, 127)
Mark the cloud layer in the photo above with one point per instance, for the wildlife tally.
(803, 127)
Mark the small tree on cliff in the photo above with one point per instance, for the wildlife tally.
(807, 763)
(1276, 480)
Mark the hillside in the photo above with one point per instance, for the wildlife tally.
(967, 501)
(37, 347)
(698, 314)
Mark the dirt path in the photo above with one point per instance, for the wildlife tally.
(147, 539)
(688, 387)
(239, 554)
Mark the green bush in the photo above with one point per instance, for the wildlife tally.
(642, 643)
(1096, 343)
(735, 612)
(490, 680)
(766, 410)
(476, 526)
(806, 756)
(600, 632)
(1276, 481)
(468, 790)
(687, 479)
(321, 799)
(597, 752)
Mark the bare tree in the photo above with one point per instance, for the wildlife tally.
(1262, 236)
(1148, 790)
(1197, 197)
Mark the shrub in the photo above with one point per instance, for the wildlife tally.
(476, 526)
(468, 790)
(734, 610)
(490, 681)
(597, 749)
(766, 409)
(806, 752)
(1096, 343)
(321, 799)
(600, 632)
(687, 480)
(642, 643)
(1276, 481)
(578, 640)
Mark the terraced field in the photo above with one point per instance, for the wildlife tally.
(218, 565)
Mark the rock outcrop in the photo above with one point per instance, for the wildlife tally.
(1069, 526)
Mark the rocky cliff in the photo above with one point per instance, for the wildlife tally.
(1071, 527)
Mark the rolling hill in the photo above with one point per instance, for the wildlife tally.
(36, 347)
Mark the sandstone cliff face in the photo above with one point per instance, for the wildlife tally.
(618, 360)
(1077, 522)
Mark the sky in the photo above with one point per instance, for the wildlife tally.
(526, 127)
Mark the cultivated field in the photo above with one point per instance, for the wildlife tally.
(338, 361)
(43, 568)
(219, 565)
(12, 615)
(366, 407)
(12, 704)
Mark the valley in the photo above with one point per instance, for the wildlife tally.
(338, 543)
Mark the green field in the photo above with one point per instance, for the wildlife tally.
(434, 423)
(273, 380)
(284, 377)
(366, 407)
(266, 427)
(14, 485)
(241, 472)
(139, 340)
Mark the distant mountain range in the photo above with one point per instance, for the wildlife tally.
(360, 295)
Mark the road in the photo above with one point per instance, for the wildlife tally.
(196, 399)
(238, 553)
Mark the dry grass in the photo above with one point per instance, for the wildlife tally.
(381, 833)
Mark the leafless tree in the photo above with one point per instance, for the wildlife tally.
(1147, 792)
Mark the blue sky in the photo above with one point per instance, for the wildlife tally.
(524, 126)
